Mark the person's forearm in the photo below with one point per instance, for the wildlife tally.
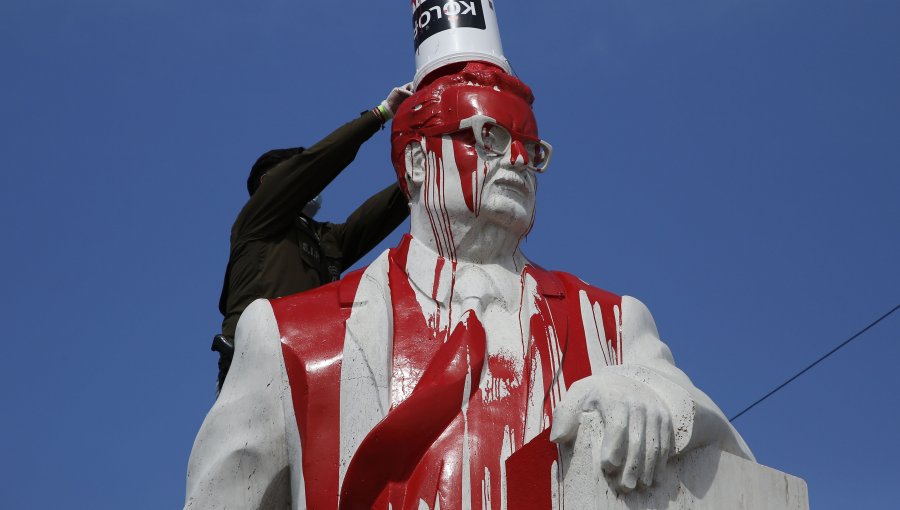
(290, 185)
(371, 222)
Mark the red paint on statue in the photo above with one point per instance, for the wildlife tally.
(459, 438)
(467, 164)
(305, 344)
(528, 470)
(414, 350)
(392, 450)
(609, 334)
(444, 100)
(517, 150)
(435, 433)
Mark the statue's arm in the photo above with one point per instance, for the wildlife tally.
(241, 456)
(697, 421)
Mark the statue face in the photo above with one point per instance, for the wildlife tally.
(481, 157)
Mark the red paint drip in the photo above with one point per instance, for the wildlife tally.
(428, 193)
(516, 151)
(438, 268)
(467, 164)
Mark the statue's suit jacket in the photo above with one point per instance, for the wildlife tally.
(384, 389)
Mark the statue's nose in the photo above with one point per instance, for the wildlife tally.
(518, 156)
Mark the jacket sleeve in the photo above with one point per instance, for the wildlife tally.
(243, 455)
(369, 224)
(290, 185)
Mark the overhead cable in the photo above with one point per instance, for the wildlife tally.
(836, 349)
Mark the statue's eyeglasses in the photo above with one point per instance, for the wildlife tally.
(495, 140)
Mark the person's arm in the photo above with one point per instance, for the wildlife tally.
(369, 224)
(288, 187)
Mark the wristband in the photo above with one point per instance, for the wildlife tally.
(378, 115)
(385, 111)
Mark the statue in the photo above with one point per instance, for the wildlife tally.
(452, 372)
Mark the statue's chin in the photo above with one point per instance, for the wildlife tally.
(509, 212)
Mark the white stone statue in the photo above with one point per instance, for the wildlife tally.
(453, 372)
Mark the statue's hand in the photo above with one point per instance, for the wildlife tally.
(636, 433)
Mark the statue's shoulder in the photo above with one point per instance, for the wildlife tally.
(312, 324)
(311, 313)
(572, 286)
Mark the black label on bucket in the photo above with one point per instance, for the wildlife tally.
(435, 16)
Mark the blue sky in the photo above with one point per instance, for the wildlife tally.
(733, 164)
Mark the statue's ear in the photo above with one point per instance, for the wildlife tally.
(415, 167)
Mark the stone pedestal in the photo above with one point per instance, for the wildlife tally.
(703, 479)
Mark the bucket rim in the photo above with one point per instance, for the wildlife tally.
(467, 56)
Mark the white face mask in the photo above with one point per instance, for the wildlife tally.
(313, 206)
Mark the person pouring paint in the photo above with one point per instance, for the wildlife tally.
(278, 248)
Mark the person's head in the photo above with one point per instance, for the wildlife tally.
(270, 160)
(267, 162)
(466, 150)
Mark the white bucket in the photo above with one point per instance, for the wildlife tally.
(450, 31)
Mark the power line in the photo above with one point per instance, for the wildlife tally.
(836, 349)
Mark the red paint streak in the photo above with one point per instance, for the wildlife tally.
(517, 150)
(427, 200)
(306, 324)
(607, 301)
(522, 284)
(601, 338)
(438, 269)
(467, 164)
(450, 248)
(540, 332)
(435, 198)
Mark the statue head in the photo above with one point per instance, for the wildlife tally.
(466, 150)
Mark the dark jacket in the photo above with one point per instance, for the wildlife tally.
(275, 252)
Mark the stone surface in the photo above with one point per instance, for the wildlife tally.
(702, 479)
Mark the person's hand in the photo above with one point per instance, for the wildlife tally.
(390, 105)
(636, 431)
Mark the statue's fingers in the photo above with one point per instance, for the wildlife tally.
(634, 459)
(665, 445)
(567, 415)
(651, 448)
(614, 447)
(596, 445)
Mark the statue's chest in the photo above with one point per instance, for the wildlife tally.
(501, 408)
